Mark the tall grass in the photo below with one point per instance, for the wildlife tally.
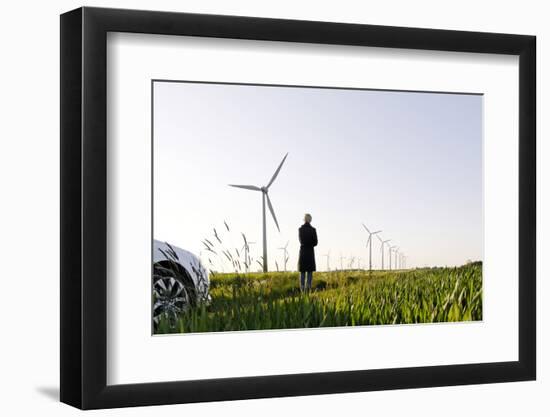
(259, 301)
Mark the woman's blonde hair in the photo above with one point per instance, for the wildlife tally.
(307, 218)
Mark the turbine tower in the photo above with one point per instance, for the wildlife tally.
(265, 196)
(369, 244)
(327, 255)
(246, 249)
(396, 251)
(285, 254)
(390, 249)
(382, 243)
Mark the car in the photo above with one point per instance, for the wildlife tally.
(180, 282)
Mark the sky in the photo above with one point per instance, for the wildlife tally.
(406, 163)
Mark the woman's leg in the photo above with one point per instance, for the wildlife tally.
(302, 280)
(309, 279)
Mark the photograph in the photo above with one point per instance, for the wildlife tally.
(354, 202)
(292, 207)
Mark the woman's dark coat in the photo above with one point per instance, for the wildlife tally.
(308, 240)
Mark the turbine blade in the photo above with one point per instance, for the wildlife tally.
(277, 172)
(379, 238)
(246, 187)
(366, 228)
(272, 211)
(378, 231)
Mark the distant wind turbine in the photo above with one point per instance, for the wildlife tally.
(327, 255)
(382, 243)
(402, 260)
(342, 262)
(396, 251)
(265, 196)
(390, 250)
(369, 244)
(285, 254)
(246, 248)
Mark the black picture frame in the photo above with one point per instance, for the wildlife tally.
(84, 207)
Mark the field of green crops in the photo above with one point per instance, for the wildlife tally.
(261, 301)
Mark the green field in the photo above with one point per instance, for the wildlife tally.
(261, 301)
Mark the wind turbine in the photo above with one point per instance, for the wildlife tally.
(390, 249)
(246, 248)
(396, 251)
(285, 253)
(265, 196)
(342, 262)
(327, 255)
(382, 243)
(369, 244)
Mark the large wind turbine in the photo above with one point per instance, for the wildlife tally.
(382, 243)
(369, 244)
(265, 196)
(285, 254)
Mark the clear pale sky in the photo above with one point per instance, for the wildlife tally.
(407, 163)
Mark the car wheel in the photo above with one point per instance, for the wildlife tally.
(170, 299)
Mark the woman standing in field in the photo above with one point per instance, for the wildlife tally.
(306, 262)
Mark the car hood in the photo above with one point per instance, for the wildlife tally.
(186, 259)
